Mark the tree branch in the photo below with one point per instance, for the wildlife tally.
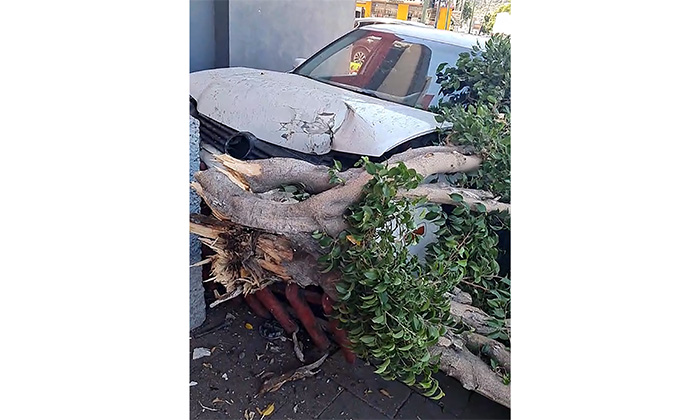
(474, 318)
(470, 370)
(440, 194)
(477, 343)
(223, 194)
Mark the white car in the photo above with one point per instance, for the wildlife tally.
(336, 104)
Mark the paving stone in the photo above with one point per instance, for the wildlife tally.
(313, 395)
(420, 407)
(348, 406)
(362, 382)
(480, 407)
(456, 398)
(310, 396)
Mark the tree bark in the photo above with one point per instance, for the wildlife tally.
(477, 343)
(472, 372)
(267, 174)
(262, 175)
(441, 194)
(223, 191)
(474, 318)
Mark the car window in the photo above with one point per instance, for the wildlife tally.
(382, 64)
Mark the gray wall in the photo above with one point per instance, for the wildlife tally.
(197, 305)
(202, 41)
(266, 34)
(270, 34)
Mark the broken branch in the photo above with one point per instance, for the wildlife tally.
(441, 194)
(273, 384)
(323, 211)
(470, 370)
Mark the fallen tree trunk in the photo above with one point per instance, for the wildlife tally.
(474, 318)
(441, 194)
(472, 372)
(477, 343)
(222, 190)
(261, 175)
(259, 240)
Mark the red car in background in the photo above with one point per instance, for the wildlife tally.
(362, 49)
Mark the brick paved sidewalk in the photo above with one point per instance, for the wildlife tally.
(227, 381)
(361, 398)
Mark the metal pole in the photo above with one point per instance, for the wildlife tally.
(437, 12)
(447, 14)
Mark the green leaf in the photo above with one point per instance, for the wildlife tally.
(416, 322)
(406, 347)
(325, 241)
(329, 268)
(432, 389)
(439, 395)
(371, 274)
(378, 319)
(425, 384)
(381, 368)
(356, 330)
(368, 339)
(432, 332)
(457, 198)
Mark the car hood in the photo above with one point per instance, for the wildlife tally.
(305, 115)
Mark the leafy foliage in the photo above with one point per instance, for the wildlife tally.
(477, 102)
(392, 305)
(333, 173)
(481, 75)
(466, 255)
(389, 304)
(296, 192)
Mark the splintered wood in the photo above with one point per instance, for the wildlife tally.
(244, 260)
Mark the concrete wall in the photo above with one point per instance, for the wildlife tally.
(266, 34)
(197, 305)
(221, 32)
(202, 40)
(270, 34)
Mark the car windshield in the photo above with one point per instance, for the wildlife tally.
(386, 65)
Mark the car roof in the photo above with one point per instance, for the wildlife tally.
(428, 33)
(379, 20)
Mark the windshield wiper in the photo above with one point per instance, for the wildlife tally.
(357, 89)
(365, 92)
(347, 87)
